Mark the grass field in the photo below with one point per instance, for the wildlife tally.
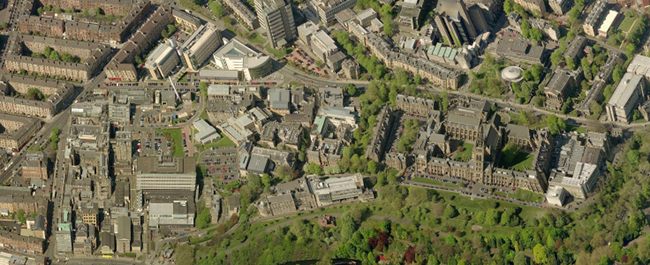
(427, 181)
(527, 196)
(626, 24)
(174, 135)
(577, 129)
(466, 153)
(522, 162)
(256, 38)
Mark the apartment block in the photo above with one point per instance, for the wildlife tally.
(187, 22)
(380, 134)
(415, 105)
(560, 7)
(46, 26)
(109, 7)
(241, 10)
(593, 18)
(535, 6)
(200, 46)
(18, 129)
(18, 243)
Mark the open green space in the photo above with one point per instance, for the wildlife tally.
(466, 153)
(278, 53)
(527, 195)
(176, 138)
(522, 162)
(578, 129)
(256, 38)
(427, 181)
(626, 24)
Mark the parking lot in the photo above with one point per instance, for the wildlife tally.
(302, 59)
(221, 163)
(152, 144)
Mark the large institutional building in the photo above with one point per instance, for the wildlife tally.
(165, 173)
(235, 55)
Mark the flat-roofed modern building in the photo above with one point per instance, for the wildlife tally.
(207, 133)
(276, 17)
(200, 45)
(235, 55)
(327, 9)
(171, 214)
(593, 17)
(322, 45)
(629, 93)
(162, 61)
(610, 20)
(337, 189)
(411, 14)
(165, 173)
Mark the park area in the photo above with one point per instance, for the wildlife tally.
(627, 23)
(434, 182)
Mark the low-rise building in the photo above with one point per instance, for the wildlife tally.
(171, 214)
(517, 50)
(275, 134)
(35, 165)
(560, 86)
(207, 133)
(326, 10)
(338, 189)
(279, 100)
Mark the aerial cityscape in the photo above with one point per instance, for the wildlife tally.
(199, 132)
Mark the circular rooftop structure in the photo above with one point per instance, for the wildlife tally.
(512, 74)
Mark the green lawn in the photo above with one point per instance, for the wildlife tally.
(183, 77)
(176, 138)
(278, 53)
(522, 162)
(502, 194)
(256, 38)
(527, 195)
(626, 24)
(427, 181)
(466, 153)
(577, 129)
(224, 141)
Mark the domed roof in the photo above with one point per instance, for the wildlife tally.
(512, 73)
